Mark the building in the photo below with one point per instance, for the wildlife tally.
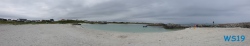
(9, 20)
(2, 19)
(35, 20)
(52, 20)
(46, 21)
(14, 20)
(21, 20)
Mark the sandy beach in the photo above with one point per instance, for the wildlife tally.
(69, 35)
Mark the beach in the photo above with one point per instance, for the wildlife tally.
(73, 35)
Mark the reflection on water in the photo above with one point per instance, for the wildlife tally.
(127, 27)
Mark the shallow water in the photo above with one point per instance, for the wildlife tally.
(126, 27)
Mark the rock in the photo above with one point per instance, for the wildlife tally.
(174, 26)
(246, 26)
(76, 24)
(243, 25)
(102, 23)
(91, 23)
(156, 24)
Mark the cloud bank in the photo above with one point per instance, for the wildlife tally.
(165, 11)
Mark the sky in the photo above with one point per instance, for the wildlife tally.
(157, 11)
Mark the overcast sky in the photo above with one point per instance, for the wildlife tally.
(165, 11)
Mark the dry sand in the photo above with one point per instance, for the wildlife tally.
(68, 35)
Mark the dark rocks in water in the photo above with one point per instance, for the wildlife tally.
(156, 24)
(76, 24)
(243, 25)
(91, 23)
(203, 25)
(168, 26)
(174, 26)
(98, 23)
(103, 23)
(145, 26)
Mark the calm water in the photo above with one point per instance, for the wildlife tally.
(126, 27)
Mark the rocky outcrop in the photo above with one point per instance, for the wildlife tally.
(203, 25)
(156, 24)
(174, 26)
(76, 24)
(102, 23)
(243, 25)
(246, 26)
